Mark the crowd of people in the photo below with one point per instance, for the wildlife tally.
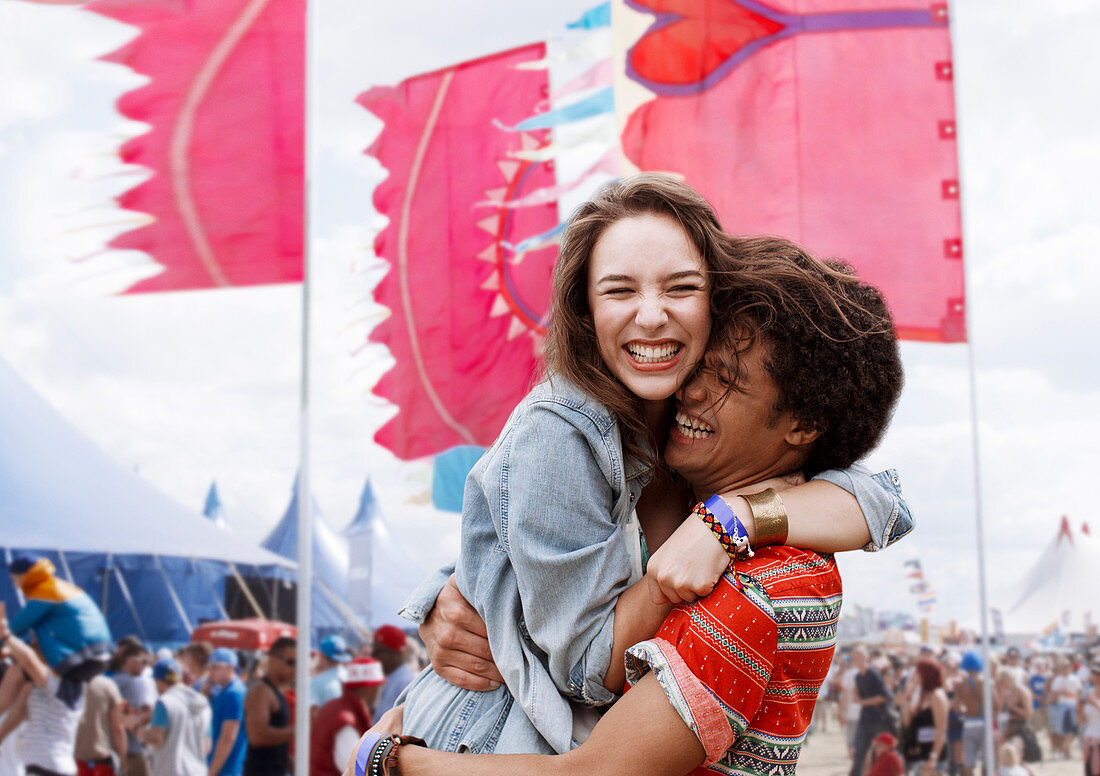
(924, 710)
(197, 711)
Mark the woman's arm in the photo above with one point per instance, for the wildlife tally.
(821, 516)
(940, 708)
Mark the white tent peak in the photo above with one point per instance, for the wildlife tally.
(1060, 588)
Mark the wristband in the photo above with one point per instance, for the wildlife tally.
(718, 516)
(770, 516)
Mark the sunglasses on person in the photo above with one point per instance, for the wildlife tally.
(290, 661)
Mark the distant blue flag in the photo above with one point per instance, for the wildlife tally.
(449, 476)
(602, 101)
(600, 16)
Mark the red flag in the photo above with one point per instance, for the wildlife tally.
(226, 107)
(831, 122)
(468, 310)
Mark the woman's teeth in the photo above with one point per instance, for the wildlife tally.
(692, 427)
(652, 354)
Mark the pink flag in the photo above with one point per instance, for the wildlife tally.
(831, 122)
(468, 312)
(226, 107)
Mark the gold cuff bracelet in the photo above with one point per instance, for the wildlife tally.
(770, 516)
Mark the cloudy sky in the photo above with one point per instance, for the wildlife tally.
(187, 388)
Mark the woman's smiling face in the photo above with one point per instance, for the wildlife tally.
(650, 300)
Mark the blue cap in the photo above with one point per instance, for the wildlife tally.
(166, 669)
(224, 656)
(335, 648)
(971, 661)
(22, 562)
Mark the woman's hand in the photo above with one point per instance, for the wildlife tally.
(457, 642)
(687, 566)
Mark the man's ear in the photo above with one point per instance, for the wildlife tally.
(798, 434)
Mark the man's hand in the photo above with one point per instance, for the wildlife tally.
(687, 566)
(457, 642)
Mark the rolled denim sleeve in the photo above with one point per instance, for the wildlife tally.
(422, 599)
(567, 552)
(879, 495)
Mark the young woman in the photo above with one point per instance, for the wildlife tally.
(560, 513)
(926, 721)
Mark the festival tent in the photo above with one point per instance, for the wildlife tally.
(329, 607)
(155, 568)
(382, 573)
(212, 508)
(1060, 588)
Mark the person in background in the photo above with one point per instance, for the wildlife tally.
(70, 630)
(227, 693)
(1014, 664)
(194, 659)
(1009, 758)
(1063, 693)
(883, 758)
(1038, 676)
(11, 731)
(1090, 723)
(872, 695)
(970, 704)
(179, 730)
(389, 650)
(926, 719)
(139, 695)
(267, 714)
(328, 682)
(341, 721)
(848, 711)
(51, 721)
(101, 731)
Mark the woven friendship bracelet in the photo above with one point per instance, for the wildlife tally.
(716, 513)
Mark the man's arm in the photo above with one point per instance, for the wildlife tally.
(157, 731)
(17, 713)
(257, 719)
(118, 732)
(226, 738)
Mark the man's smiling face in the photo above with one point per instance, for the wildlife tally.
(726, 435)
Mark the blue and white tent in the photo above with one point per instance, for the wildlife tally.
(156, 568)
(381, 573)
(329, 607)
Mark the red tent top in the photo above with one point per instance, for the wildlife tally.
(252, 633)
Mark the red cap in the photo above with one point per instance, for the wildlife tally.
(886, 738)
(390, 636)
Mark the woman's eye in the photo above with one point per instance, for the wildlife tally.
(685, 289)
(618, 291)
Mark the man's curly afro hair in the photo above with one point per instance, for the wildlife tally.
(832, 349)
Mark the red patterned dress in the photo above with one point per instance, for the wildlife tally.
(743, 666)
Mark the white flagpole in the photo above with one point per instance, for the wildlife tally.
(989, 762)
(305, 520)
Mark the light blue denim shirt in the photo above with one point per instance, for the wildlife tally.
(543, 559)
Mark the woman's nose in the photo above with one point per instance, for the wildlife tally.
(651, 312)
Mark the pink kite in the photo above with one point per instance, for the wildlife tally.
(831, 122)
(226, 107)
(468, 310)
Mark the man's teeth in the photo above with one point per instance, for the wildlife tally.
(653, 354)
(692, 427)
